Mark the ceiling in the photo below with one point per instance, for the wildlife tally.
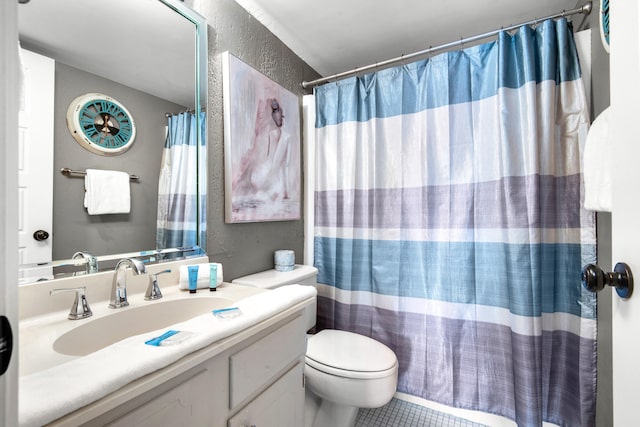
(125, 42)
(333, 36)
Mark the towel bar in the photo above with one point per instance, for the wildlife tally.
(71, 173)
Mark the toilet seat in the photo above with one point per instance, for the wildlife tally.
(349, 355)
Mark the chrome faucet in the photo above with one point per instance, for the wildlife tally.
(92, 262)
(80, 307)
(119, 288)
(153, 290)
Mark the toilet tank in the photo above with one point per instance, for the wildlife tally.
(271, 279)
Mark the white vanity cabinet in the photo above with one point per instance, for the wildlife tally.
(184, 404)
(254, 378)
(276, 356)
(280, 405)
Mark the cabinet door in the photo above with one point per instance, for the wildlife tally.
(185, 405)
(281, 405)
(263, 361)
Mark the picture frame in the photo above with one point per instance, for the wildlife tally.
(262, 146)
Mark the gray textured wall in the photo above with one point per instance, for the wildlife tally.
(73, 228)
(248, 247)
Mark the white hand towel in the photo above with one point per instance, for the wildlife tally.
(598, 165)
(107, 192)
(203, 276)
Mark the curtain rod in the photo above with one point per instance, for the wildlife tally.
(584, 9)
(180, 112)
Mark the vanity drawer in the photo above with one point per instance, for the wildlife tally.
(187, 403)
(254, 366)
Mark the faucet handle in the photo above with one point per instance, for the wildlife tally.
(153, 290)
(80, 308)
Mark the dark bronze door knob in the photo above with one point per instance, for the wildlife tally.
(40, 235)
(594, 279)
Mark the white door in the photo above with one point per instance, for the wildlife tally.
(9, 212)
(625, 142)
(35, 162)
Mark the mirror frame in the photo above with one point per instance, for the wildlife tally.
(71, 267)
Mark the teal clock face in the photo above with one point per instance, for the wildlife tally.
(101, 124)
(604, 23)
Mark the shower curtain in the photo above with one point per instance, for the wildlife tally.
(449, 224)
(182, 181)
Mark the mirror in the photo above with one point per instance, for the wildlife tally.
(150, 56)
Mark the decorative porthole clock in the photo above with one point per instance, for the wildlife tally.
(101, 124)
(604, 23)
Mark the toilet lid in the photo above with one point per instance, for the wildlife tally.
(330, 350)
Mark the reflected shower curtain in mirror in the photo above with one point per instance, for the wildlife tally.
(449, 224)
(178, 187)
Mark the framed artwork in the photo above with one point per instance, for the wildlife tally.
(261, 146)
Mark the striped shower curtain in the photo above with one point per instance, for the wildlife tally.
(182, 183)
(449, 224)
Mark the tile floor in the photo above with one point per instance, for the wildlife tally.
(399, 413)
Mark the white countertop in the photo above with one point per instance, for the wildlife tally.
(54, 384)
(38, 334)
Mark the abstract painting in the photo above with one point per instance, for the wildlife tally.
(261, 146)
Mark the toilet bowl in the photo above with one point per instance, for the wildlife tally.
(343, 371)
(347, 371)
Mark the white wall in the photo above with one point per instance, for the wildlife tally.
(625, 137)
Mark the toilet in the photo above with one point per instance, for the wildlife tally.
(343, 371)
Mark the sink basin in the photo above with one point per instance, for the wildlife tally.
(94, 334)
